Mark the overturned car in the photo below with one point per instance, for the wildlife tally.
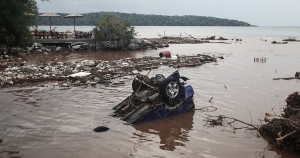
(156, 97)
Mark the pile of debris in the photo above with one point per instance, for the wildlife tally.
(190, 40)
(96, 71)
(283, 131)
(291, 39)
(275, 42)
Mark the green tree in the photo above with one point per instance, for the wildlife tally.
(113, 28)
(16, 16)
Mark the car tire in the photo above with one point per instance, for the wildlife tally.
(170, 90)
(136, 84)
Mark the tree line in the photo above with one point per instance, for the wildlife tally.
(90, 19)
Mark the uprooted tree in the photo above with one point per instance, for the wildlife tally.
(114, 33)
(280, 130)
(283, 131)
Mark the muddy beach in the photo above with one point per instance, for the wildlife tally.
(54, 121)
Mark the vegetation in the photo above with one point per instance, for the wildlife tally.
(145, 20)
(16, 18)
(113, 28)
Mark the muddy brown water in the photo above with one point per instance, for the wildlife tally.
(51, 122)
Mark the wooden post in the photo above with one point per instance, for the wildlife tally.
(164, 33)
(74, 24)
(50, 23)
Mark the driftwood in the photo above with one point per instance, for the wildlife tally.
(275, 42)
(283, 130)
(297, 76)
(190, 36)
(291, 39)
(207, 109)
(286, 78)
(222, 121)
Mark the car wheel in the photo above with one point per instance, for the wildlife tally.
(170, 90)
(136, 84)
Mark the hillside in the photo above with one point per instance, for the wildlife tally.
(144, 20)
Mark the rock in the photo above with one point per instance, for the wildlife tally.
(133, 46)
(21, 77)
(30, 49)
(211, 38)
(75, 71)
(37, 45)
(96, 79)
(87, 63)
(82, 80)
(222, 38)
(67, 71)
(58, 49)
(79, 43)
(76, 47)
(39, 50)
(77, 82)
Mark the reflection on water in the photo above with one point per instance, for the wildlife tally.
(172, 132)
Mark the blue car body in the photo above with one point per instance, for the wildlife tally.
(163, 110)
(155, 98)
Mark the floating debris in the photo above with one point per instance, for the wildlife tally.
(92, 71)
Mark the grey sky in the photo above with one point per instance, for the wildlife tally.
(255, 12)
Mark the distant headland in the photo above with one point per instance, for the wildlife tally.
(90, 19)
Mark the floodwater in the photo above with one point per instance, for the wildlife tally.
(51, 122)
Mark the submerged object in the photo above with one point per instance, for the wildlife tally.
(155, 98)
(101, 129)
(165, 53)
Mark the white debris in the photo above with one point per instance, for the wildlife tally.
(80, 74)
(125, 64)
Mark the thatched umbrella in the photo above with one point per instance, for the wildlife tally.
(50, 14)
(73, 15)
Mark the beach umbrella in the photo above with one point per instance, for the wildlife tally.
(73, 15)
(49, 14)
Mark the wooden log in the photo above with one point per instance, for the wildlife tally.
(286, 78)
